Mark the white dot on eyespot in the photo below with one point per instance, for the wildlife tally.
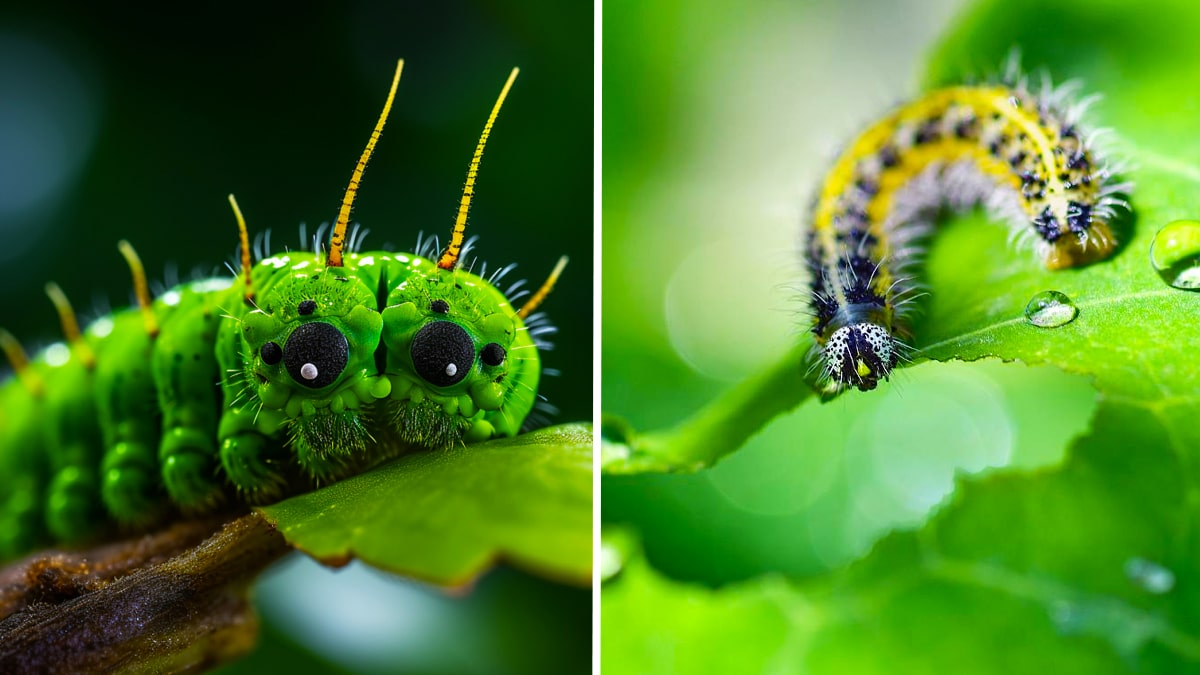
(451, 370)
(308, 371)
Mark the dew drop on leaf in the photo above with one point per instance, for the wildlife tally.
(1149, 576)
(1066, 616)
(1050, 309)
(1175, 254)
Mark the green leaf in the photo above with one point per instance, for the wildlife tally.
(710, 434)
(447, 516)
(650, 624)
(903, 610)
(1092, 566)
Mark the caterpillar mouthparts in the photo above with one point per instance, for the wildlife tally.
(862, 353)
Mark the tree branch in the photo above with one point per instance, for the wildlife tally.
(173, 601)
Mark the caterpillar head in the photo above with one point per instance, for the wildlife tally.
(442, 359)
(309, 351)
(860, 355)
(461, 364)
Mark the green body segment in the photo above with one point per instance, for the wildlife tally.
(71, 448)
(206, 411)
(25, 469)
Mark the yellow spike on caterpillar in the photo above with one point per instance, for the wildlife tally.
(449, 258)
(140, 286)
(20, 363)
(338, 239)
(1019, 153)
(244, 244)
(536, 299)
(70, 325)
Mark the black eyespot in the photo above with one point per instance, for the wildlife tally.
(271, 353)
(307, 307)
(442, 353)
(440, 306)
(492, 354)
(316, 354)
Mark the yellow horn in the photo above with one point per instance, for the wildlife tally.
(244, 238)
(70, 325)
(537, 298)
(450, 256)
(338, 240)
(140, 286)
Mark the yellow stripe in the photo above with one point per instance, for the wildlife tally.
(982, 100)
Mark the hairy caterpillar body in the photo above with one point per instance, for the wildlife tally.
(1021, 155)
(305, 368)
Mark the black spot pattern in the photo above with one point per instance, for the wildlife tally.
(858, 346)
(492, 354)
(1047, 225)
(271, 353)
(967, 127)
(1079, 217)
(928, 132)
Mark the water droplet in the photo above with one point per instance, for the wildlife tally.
(1050, 309)
(1149, 576)
(1175, 254)
(1066, 616)
(611, 561)
(1125, 627)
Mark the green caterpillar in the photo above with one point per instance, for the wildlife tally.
(326, 365)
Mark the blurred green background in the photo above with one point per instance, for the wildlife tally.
(718, 126)
(122, 122)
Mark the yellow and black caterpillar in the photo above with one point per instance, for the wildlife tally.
(1023, 155)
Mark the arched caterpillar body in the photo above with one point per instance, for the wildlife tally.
(1022, 155)
(303, 369)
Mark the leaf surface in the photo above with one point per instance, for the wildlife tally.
(447, 516)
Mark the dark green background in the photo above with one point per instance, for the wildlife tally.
(274, 104)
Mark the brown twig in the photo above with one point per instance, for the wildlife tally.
(172, 601)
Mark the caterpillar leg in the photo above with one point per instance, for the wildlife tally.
(244, 459)
(247, 456)
(185, 376)
(24, 453)
(130, 486)
(189, 468)
(71, 513)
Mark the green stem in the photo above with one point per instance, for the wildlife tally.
(720, 427)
